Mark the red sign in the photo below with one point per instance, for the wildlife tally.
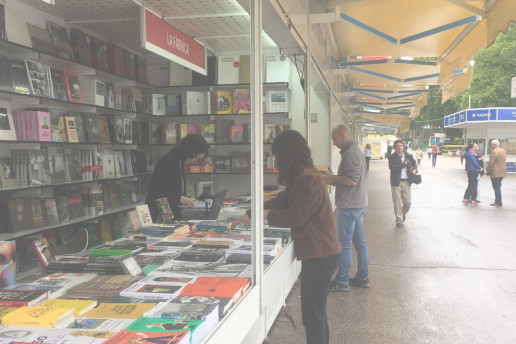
(165, 40)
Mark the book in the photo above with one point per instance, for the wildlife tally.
(153, 291)
(60, 41)
(110, 325)
(128, 130)
(222, 130)
(102, 122)
(16, 26)
(141, 69)
(99, 54)
(222, 102)
(21, 298)
(39, 316)
(159, 104)
(7, 130)
(145, 337)
(79, 306)
(101, 288)
(119, 310)
(40, 39)
(73, 164)
(277, 68)
(26, 334)
(242, 101)
(44, 130)
(224, 303)
(228, 69)
(38, 79)
(181, 311)
(43, 252)
(195, 103)
(115, 59)
(56, 160)
(227, 287)
(57, 82)
(222, 164)
(67, 280)
(73, 88)
(7, 263)
(7, 172)
(277, 101)
(20, 214)
(81, 47)
(110, 95)
(174, 104)
(19, 77)
(90, 123)
(6, 83)
(130, 64)
(195, 327)
(236, 133)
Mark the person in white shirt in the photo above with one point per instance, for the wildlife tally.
(419, 155)
(368, 153)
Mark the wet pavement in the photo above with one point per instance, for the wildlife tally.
(449, 276)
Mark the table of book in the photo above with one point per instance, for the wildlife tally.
(193, 296)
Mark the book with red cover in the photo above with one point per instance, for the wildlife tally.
(236, 133)
(115, 58)
(72, 86)
(126, 337)
(227, 287)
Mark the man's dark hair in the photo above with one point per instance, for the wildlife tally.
(292, 153)
(191, 145)
(470, 145)
(398, 141)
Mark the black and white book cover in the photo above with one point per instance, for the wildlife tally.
(7, 173)
(19, 77)
(7, 131)
(5, 74)
(39, 172)
(81, 46)
(99, 54)
(109, 100)
(73, 164)
(60, 41)
(58, 85)
(79, 126)
(120, 163)
(128, 130)
(38, 78)
(56, 164)
(100, 93)
(119, 129)
(40, 39)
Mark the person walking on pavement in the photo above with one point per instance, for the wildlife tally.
(419, 155)
(351, 203)
(480, 161)
(368, 153)
(472, 170)
(402, 166)
(435, 152)
(429, 152)
(497, 170)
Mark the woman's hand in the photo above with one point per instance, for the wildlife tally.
(242, 219)
(187, 201)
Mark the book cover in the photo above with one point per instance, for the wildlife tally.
(244, 70)
(43, 252)
(38, 79)
(145, 337)
(240, 162)
(153, 291)
(222, 130)
(228, 69)
(222, 163)
(116, 129)
(56, 162)
(7, 172)
(103, 125)
(120, 163)
(242, 101)
(57, 126)
(277, 69)
(277, 101)
(174, 104)
(58, 85)
(100, 93)
(60, 41)
(26, 334)
(99, 54)
(53, 290)
(224, 303)
(170, 133)
(62, 208)
(208, 132)
(110, 325)
(38, 219)
(119, 310)
(49, 207)
(236, 133)
(39, 316)
(222, 102)
(196, 103)
(19, 77)
(44, 131)
(71, 129)
(73, 88)
(16, 26)
(130, 64)
(115, 58)
(159, 104)
(227, 287)
(110, 95)
(167, 325)
(73, 164)
(91, 127)
(40, 39)
(21, 298)
(180, 311)
(7, 263)
(128, 130)
(7, 130)
(119, 97)
(6, 83)
(20, 214)
(81, 47)
(79, 306)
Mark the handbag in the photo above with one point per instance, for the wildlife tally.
(416, 179)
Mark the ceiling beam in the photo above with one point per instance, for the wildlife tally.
(207, 15)
(468, 7)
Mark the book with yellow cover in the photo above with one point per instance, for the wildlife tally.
(39, 317)
(119, 310)
(79, 306)
(222, 102)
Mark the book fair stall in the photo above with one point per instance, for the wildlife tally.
(91, 96)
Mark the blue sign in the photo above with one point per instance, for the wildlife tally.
(462, 116)
(481, 115)
(507, 114)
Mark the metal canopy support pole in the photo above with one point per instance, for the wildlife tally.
(257, 146)
(308, 76)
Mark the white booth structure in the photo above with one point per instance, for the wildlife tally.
(483, 125)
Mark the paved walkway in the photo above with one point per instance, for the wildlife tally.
(449, 276)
